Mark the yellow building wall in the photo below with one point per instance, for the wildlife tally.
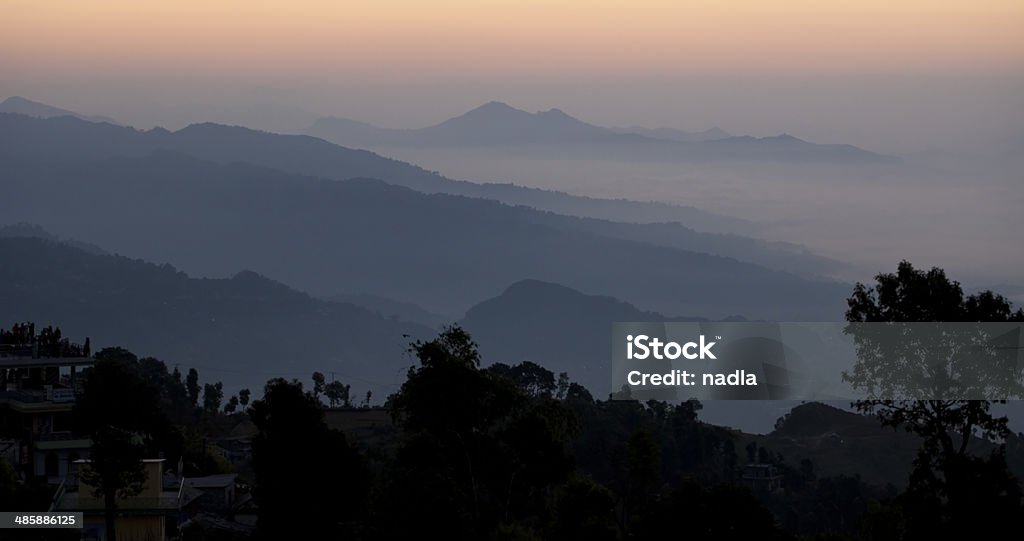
(140, 528)
(132, 528)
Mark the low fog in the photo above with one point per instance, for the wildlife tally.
(959, 212)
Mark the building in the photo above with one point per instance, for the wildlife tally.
(37, 394)
(150, 515)
(762, 477)
(216, 492)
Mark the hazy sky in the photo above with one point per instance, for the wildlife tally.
(901, 75)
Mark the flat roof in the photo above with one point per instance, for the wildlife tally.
(44, 362)
(145, 460)
(20, 403)
(52, 445)
(212, 481)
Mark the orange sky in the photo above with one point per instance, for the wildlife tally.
(425, 39)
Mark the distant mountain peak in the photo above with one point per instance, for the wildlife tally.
(497, 106)
(498, 122)
(556, 112)
(491, 108)
(531, 285)
(19, 100)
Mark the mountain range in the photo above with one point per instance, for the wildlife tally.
(568, 331)
(59, 139)
(69, 137)
(24, 106)
(674, 134)
(498, 125)
(325, 237)
(244, 329)
(248, 323)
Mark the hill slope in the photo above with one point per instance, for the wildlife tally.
(555, 326)
(70, 138)
(441, 252)
(62, 139)
(242, 329)
(25, 106)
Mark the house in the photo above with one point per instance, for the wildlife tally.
(762, 477)
(37, 393)
(150, 515)
(217, 492)
(216, 509)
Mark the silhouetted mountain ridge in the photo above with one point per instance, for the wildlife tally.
(66, 138)
(555, 326)
(499, 124)
(242, 329)
(25, 106)
(674, 134)
(69, 138)
(439, 251)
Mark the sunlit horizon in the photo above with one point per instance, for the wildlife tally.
(901, 76)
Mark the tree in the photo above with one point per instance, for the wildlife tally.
(337, 393)
(192, 385)
(318, 384)
(232, 404)
(912, 295)
(303, 468)
(947, 483)
(643, 475)
(122, 416)
(172, 391)
(563, 385)
(478, 455)
(243, 397)
(213, 395)
(533, 379)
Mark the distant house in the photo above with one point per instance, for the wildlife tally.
(216, 492)
(147, 516)
(215, 510)
(762, 477)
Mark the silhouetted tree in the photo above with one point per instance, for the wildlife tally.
(173, 394)
(213, 395)
(232, 404)
(243, 397)
(911, 295)
(121, 414)
(337, 393)
(192, 385)
(948, 484)
(478, 454)
(643, 476)
(302, 468)
(318, 384)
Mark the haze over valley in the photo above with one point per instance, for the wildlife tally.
(343, 172)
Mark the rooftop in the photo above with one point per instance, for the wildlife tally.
(19, 361)
(212, 481)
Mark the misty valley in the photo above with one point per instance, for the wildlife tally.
(348, 331)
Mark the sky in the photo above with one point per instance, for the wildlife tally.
(897, 76)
